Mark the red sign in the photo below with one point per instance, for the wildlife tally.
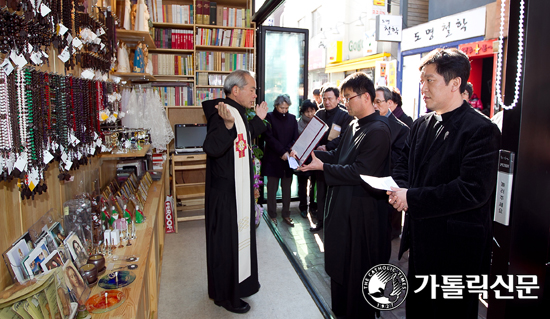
(169, 219)
(476, 49)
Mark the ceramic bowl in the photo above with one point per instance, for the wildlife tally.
(89, 272)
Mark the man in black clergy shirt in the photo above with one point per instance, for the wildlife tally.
(337, 119)
(229, 200)
(357, 215)
(447, 175)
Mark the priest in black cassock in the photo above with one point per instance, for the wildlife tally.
(447, 176)
(356, 214)
(229, 200)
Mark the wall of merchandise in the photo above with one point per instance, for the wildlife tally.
(53, 89)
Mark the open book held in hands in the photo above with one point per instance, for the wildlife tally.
(309, 138)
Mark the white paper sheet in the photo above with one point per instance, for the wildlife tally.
(383, 183)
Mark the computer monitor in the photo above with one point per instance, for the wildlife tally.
(189, 137)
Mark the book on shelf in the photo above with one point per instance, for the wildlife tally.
(213, 13)
(202, 78)
(199, 11)
(219, 15)
(174, 93)
(206, 12)
(204, 94)
(170, 64)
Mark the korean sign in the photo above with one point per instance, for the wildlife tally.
(463, 25)
(388, 28)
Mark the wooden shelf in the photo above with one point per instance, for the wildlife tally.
(206, 71)
(209, 26)
(171, 51)
(183, 107)
(139, 153)
(190, 171)
(131, 38)
(209, 86)
(142, 301)
(134, 76)
(222, 48)
(165, 25)
(177, 78)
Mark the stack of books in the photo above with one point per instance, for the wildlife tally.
(170, 64)
(224, 61)
(174, 93)
(173, 39)
(228, 38)
(212, 14)
(182, 14)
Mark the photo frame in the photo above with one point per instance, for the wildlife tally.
(52, 261)
(75, 283)
(58, 233)
(14, 256)
(77, 250)
(47, 239)
(35, 259)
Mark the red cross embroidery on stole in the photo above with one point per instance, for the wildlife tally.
(240, 145)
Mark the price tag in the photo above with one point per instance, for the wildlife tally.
(101, 46)
(9, 162)
(44, 10)
(69, 38)
(79, 155)
(96, 136)
(61, 29)
(87, 74)
(13, 56)
(7, 66)
(66, 210)
(77, 43)
(21, 61)
(48, 157)
(100, 32)
(92, 150)
(64, 157)
(36, 58)
(65, 55)
(45, 54)
(68, 165)
(21, 163)
(29, 48)
(74, 140)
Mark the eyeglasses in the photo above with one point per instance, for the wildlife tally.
(346, 100)
(379, 101)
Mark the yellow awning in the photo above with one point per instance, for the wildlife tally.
(356, 64)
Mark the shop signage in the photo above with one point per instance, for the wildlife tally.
(464, 25)
(478, 49)
(355, 46)
(379, 2)
(334, 52)
(388, 28)
(316, 59)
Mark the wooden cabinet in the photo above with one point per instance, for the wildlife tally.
(188, 177)
(143, 293)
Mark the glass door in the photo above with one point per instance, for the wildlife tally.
(282, 69)
(282, 65)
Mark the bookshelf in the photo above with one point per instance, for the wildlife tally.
(185, 29)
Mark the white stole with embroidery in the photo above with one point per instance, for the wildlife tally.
(242, 193)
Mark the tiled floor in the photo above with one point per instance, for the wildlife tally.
(307, 248)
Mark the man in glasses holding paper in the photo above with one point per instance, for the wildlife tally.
(356, 215)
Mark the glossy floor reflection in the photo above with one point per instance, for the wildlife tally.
(308, 250)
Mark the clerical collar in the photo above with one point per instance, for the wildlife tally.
(446, 116)
(369, 118)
